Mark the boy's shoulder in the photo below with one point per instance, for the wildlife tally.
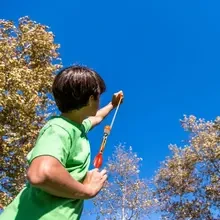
(60, 124)
(66, 124)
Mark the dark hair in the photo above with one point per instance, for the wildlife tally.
(73, 86)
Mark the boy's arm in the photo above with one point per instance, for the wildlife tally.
(48, 174)
(103, 112)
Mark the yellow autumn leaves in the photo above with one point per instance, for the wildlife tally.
(125, 195)
(191, 175)
(28, 60)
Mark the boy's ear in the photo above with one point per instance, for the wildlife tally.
(91, 99)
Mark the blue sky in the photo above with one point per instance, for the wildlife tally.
(164, 55)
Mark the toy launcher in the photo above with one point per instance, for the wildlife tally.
(99, 157)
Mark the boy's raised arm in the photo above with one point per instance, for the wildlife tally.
(103, 112)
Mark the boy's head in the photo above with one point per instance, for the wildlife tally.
(78, 87)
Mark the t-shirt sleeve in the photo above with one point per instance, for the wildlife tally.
(53, 141)
(87, 125)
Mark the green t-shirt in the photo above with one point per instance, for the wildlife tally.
(68, 142)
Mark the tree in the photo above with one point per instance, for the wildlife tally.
(125, 195)
(188, 182)
(28, 61)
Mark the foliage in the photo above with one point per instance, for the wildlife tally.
(28, 59)
(188, 182)
(125, 195)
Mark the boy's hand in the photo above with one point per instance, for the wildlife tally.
(94, 181)
(116, 97)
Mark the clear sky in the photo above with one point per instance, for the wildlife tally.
(164, 55)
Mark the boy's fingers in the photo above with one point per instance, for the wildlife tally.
(104, 178)
(95, 169)
(103, 172)
(120, 92)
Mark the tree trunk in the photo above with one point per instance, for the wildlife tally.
(123, 207)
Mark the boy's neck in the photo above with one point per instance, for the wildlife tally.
(75, 116)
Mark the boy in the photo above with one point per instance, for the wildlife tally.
(58, 180)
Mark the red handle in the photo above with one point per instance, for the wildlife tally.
(98, 160)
